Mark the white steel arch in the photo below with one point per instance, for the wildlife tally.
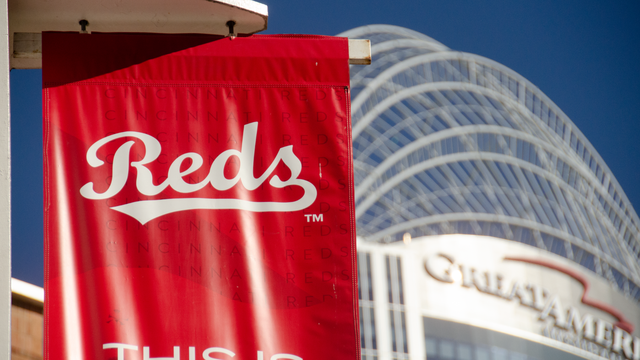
(373, 113)
(451, 142)
(381, 29)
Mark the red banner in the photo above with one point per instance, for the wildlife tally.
(198, 198)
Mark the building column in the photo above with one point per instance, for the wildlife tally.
(5, 190)
(413, 312)
(381, 304)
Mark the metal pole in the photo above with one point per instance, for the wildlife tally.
(5, 189)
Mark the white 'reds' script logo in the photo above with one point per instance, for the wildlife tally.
(146, 210)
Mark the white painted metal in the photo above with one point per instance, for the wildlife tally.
(5, 189)
(27, 290)
(381, 305)
(406, 43)
(153, 16)
(402, 33)
(27, 51)
(415, 333)
(557, 152)
(359, 52)
(443, 134)
(158, 16)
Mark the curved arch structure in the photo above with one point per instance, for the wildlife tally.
(449, 142)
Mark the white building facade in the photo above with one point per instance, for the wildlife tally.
(519, 242)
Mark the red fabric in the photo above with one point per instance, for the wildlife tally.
(213, 260)
(257, 59)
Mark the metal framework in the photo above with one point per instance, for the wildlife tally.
(449, 142)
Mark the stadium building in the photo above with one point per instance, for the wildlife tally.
(489, 227)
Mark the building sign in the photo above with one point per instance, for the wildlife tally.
(513, 288)
(199, 198)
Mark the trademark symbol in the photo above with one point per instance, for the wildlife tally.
(314, 217)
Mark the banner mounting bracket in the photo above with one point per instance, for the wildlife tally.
(359, 52)
(83, 26)
(231, 24)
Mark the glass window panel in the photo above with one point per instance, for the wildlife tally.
(446, 349)
(499, 353)
(464, 352)
(482, 354)
(432, 346)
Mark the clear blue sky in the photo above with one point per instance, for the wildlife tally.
(583, 54)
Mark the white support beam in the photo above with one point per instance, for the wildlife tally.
(5, 189)
(27, 51)
(31, 17)
(359, 52)
(27, 291)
